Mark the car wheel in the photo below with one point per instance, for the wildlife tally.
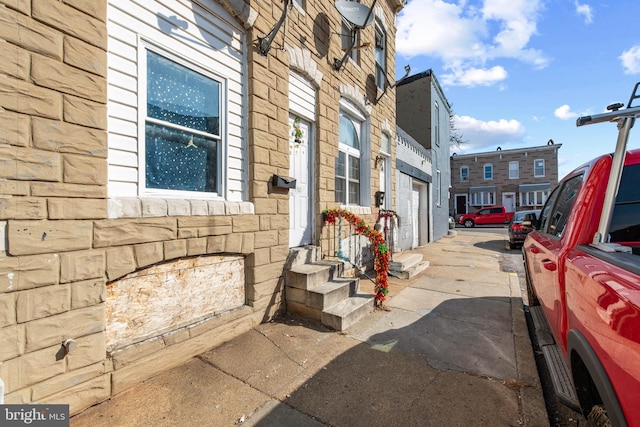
(468, 223)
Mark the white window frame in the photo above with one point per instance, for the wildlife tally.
(361, 124)
(534, 198)
(146, 46)
(462, 177)
(535, 172)
(483, 198)
(514, 170)
(484, 171)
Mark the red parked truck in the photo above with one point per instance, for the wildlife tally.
(488, 215)
(582, 265)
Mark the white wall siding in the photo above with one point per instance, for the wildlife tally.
(199, 32)
(302, 97)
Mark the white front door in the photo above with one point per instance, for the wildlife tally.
(415, 216)
(509, 201)
(300, 169)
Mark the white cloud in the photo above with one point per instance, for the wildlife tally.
(479, 134)
(564, 113)
(631, 60)
(584, 10)
(469, 34)
(475, 76)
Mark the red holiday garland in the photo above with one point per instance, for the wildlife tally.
(381, 263)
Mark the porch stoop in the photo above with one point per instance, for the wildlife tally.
(407, 265)
(316, 289)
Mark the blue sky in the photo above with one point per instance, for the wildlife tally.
(519, 72)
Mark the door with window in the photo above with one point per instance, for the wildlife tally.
(509, 201)
(300, 196)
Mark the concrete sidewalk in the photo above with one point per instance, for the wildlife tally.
(452, 350)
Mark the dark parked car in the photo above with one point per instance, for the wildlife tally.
(519, 228)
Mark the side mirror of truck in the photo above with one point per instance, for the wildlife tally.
(531, 220)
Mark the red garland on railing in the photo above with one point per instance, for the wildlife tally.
(381, 263)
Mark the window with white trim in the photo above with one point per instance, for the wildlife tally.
(183, 138)
(538, 168)
(483, 198)
(488, 171)
(534, 198)
(514, 170)
(348, 171)
(464, 173)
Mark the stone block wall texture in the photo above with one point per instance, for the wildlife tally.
(62, 241)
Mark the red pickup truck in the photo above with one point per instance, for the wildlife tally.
(582, 264)
(489, 215)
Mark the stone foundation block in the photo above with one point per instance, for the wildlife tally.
(83, 265)
(127, 355)
(63, 137)
(56, 189)
(27, 272)
(148, 254)
(84, 112)
(24, 163)
(42, 237)
(7, 309)
(175, 249)
(120, 261)
(33, 368)
(12, 339)
(22, 208)
(83, 395)
(72, 324)
(85, 56)
(84, 169)
(88, 293)
(29, 34)
(133, 231)
(266, 239)
(16, 127)
(66, 381)
(42, 302)
(196, 246)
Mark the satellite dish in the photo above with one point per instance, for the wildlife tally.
(357, 14)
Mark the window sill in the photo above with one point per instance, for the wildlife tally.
(135, 207)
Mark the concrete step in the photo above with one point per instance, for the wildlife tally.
(323, 295)
(410, 272)
(306, 276)
(405, 261)
(331, 293)
(344, 314)
(303, 255)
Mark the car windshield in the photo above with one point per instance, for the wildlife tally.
(519, 216)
